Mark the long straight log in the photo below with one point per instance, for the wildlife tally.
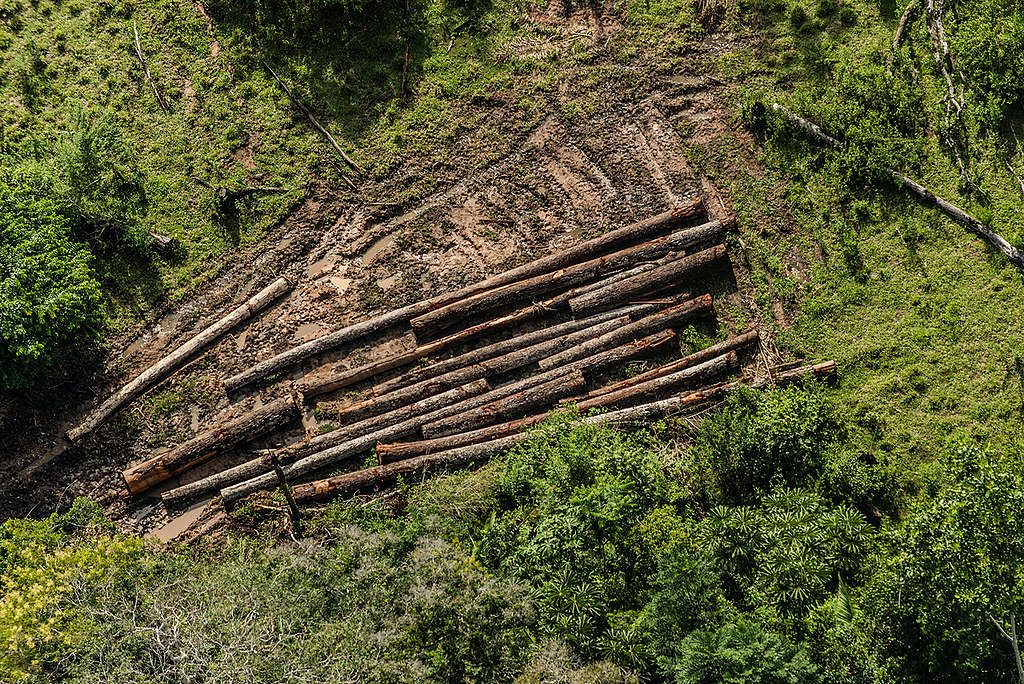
(388, 453)
(200, 448)
(488, 368)
(385, 474)
(731, 344)
(179, 357)
(687, 240)
(663, 276)
(509, 407)
(317, 386)
(349, 448)
(676, 315)
(224, 478)
(635, 232)
(946, 207)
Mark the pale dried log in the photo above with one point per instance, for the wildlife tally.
(145, 66)
(666, 275)
(731, 344)
(180, 356)
(316, 386)
(642, 230)
(338, 452)
(687, 240)
(486, 368)
(224, 478)
(675, 315)
(946, 207)
(526, 313)
(900, 29)
(386, 474)
(511, 406)
(202, 447)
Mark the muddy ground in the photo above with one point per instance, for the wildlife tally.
(564, 181)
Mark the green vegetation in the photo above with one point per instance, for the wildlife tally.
(583, 554)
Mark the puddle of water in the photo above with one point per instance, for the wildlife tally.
(377, 247)
(387, 283)
(177, 525)
(308, 331)
(240, 342)
(166, 324)
(317, 268)
(285, 243)
(136, 345)
(195, 418)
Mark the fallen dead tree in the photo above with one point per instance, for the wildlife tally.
(386, 474)
(430, 324)
(200, 448)
(948, 208)
(513, 405)
(665, 275)
(363, 443)
(487, 368)
(179, 357)
(642, 230)
(388, 453)
(676, 315)
(731, 344)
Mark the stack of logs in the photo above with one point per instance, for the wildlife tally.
(589, 309)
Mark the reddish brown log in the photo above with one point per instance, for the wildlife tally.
(667, 275)
(429, 324)
(631, 234)
(676, 315)
(731, 344)
(510, 407)
(346, 449)
(488, 368)
(388, 453)
(203, 446)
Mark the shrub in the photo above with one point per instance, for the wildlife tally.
(49, 297)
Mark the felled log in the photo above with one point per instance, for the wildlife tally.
(349, 448)
(948, 208)
(547, 306)
(665, 275)
(676, 315)
(429, 324)
(317, 386)
(634, 232)
(200, 448)
(511, 406)
(387, 453)
(385, 474)
(490, 367)
(212, 483)
(145, 67)
(731, 344)
(179, 357)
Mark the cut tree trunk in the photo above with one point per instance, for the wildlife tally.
(317, 386)
(676, 315)
(200, 448)
(488, 368)
(212, 483)
(642, 230)
(386, 474)
(504, 322)
(511, 406)
(926, 195)
(179, 357)
(731, 344)
(666, 275)
(688, 377)
(344, 450)
(387, 453)
(429, 324)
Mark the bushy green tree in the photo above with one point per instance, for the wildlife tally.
(49, 297)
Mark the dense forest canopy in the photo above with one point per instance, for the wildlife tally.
(865, 531)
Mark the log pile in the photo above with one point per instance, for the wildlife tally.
(490, 360)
